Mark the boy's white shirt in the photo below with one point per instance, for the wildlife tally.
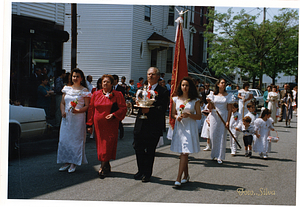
(251, 129)
(252, 117)
(234, 123)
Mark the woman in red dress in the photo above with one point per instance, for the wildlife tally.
(107, 108)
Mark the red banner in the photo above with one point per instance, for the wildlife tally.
(180, 69)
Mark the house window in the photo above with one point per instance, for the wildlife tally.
(185, 20)
(169, 60)
(207, 19)
(142, 50)
(191, 43)
(192, 14)
(204, 50)
(201, 16)
(171, 16)
(148, 13)
(154, 58)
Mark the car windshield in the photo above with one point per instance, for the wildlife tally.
(260, 93)
(254, 93)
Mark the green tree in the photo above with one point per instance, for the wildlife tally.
(242, 45)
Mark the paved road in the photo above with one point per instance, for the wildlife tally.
(34, 175)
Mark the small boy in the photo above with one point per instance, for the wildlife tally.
(235, 120)
(251, 112)
(248, 131)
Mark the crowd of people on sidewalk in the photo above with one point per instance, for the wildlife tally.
(197, 110)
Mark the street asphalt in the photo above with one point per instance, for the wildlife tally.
(34, 175)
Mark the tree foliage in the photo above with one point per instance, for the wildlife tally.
(245, 46)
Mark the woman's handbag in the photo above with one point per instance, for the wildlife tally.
(273, 139)
(114, 107)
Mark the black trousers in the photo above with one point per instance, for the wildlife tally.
(145, 145)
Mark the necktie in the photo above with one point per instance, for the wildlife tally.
(149, 88)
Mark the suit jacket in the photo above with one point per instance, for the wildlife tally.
(155, 122)
(282, 93)
(204, 94)
(121, 88)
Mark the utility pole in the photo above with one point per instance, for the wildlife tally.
(262, 48)
(74, 36)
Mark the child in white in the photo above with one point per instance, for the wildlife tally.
(263, 126)
(251, 114)
(248, 131)
(235, 120)
(201, 121)
(205, 131)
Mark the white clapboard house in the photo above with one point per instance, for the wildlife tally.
(124, 39)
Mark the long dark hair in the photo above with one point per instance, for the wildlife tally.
(99, 84)
(193, 93)
(289, 92)
(216, 91)
(77, 70)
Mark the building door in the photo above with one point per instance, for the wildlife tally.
(154, 58)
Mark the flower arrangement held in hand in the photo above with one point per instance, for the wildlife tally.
(182, 106)
(73, 104)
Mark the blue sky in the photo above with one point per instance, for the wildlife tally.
(270, 12)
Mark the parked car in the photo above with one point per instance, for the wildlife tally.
(235, 95)
(259, 97)
(236, 99)
(25, 122)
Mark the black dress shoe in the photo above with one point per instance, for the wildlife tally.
(101, 174)
(138, 176)
(146, 179)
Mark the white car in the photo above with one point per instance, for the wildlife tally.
(259, 97)
(25, 122)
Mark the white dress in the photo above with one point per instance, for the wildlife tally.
(205, 129)
(201, 121)
(235, 120)
(71, 146)
(273, 98)
(261, 144)
(252, 116)
(242, 106)
(185, 137)
(217, 128)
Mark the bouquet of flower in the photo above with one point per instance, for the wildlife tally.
(182, 106)
(73, 104)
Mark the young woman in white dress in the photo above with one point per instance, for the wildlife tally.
(185, 140)
(245, 97)
(273, 98)
(71, 146)
(223, 104)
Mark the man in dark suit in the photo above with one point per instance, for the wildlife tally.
(205, 92)
(282, 106)
(147, 131)
(117, 87)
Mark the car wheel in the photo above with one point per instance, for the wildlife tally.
(14, 137)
